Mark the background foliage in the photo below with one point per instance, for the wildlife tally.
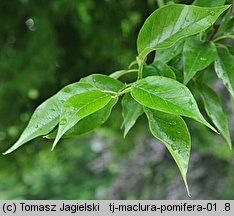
(46, 45)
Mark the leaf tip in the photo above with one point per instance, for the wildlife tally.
(229, 142)
(216, 131)
(8, 151)
(54, 144)
(187, 187)
(225, 7)
(122, 126)
(212, 128)
(58, 137)
(125, 133)
(11, 149)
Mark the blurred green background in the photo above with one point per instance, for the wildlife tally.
(45, 45)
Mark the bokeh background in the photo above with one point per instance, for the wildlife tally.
(45, 45)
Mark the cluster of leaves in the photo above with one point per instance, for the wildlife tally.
(160, 89)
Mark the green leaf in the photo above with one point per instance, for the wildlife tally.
(78, 107)
(226, 25)
(46, 116)
(213, 106)
(169, 24)
(197, 56)
(118, 74)
(173, 132)
(158, 68)
(209, 3)
(103, 82)
(224, 67)
(163, 69)
(131, 112)
(232, 104)
(179, 74)
(88, 123)
(166, 55)
(149, 70)
(167, 95)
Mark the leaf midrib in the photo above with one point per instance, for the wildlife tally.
(182, 29)
(163, 100)
(82, 107)
(156, 46)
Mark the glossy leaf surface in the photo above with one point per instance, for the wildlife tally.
(209, 3)
(179, 74)
(169, 24)
(224, 67)
(103, 82)
(167, 95)
(46, 116)
(131, 111)
(215, 111)
(116, 74)
(173, 132)
(158, 68)
(197, 56)
(166, 55)
(79, 106)
(232, 104)
(226, 25)
(88, 123)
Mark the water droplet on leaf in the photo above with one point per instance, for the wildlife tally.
(203, 59)
(212, 13)
(190, 102)
(173, 147)
(172, 123)
(95, 81)
(63, 122)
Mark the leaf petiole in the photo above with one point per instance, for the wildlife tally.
(132, 64)
(124, 91)
(115, 94)
(109, 92)
(219, 45)
(224, 37)
(140, 62)
(118, 74)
